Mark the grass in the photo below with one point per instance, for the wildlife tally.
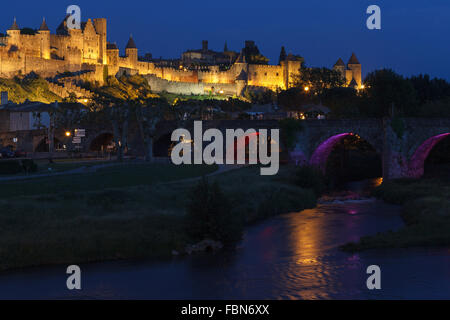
(20, 90)
(109, 177)
(124, 212)
(58, 165)
(426, 212)
(171, 97)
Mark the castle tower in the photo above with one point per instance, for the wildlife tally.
(240, 64)
(283, 55)
(14, 34)
(339, 66)
(100, 28)
(354, 66)
(241, 82)
(131, 52)
(44, 34)
(291, 70)
(204, 45)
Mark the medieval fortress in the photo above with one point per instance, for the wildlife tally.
(87, 52)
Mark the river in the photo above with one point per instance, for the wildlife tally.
(291, 256)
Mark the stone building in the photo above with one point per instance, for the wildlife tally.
(87, 50)
(350, 72)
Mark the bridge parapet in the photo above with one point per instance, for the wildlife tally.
(404, 144)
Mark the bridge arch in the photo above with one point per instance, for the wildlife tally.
(323, 150)
(421, 153)
(162, 145)
(100, 141)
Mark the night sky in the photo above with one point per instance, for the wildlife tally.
(414, 37)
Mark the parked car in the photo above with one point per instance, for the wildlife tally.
(6, 153)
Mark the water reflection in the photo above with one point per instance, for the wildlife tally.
(293, 256)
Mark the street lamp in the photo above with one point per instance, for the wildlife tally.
(306, 88)
(68, 133)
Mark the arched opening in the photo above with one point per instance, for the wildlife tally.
(347, 157)
(162, 147)
(431, 156)
(103, 142)
(43, 145)
(249, 144)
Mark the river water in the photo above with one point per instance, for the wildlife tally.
(292, 256)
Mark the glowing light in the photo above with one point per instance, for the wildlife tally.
(320, 156)
(362, 86)
(378, 182)
(68, 133)
(306, 88)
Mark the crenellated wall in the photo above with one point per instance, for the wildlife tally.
(77, 50)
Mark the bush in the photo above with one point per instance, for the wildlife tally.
(10, 167)
(402, 191)
(310, 178)
(209, 215)
(289, 129)
(29, 165)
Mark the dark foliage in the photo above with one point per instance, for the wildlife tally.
(209, 215)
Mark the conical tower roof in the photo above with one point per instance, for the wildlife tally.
(62, 28)
(353, 59)
(241, 58)
(339, 63)
(44, 26)
(131, 44)
(14, 26)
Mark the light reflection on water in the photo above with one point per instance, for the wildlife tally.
(293, 256)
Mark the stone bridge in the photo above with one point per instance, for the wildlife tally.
(404, 144)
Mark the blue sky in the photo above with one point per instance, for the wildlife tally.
(414, 37)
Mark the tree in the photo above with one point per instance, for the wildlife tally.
(318, 79)
(293, 98)
(388, 93)
(148, 114)
(117, 113)
(428, 89)
(116, 101)
(210, 215)
(344, 102)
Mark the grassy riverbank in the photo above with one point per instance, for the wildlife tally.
(124, 212)
(426, 212)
